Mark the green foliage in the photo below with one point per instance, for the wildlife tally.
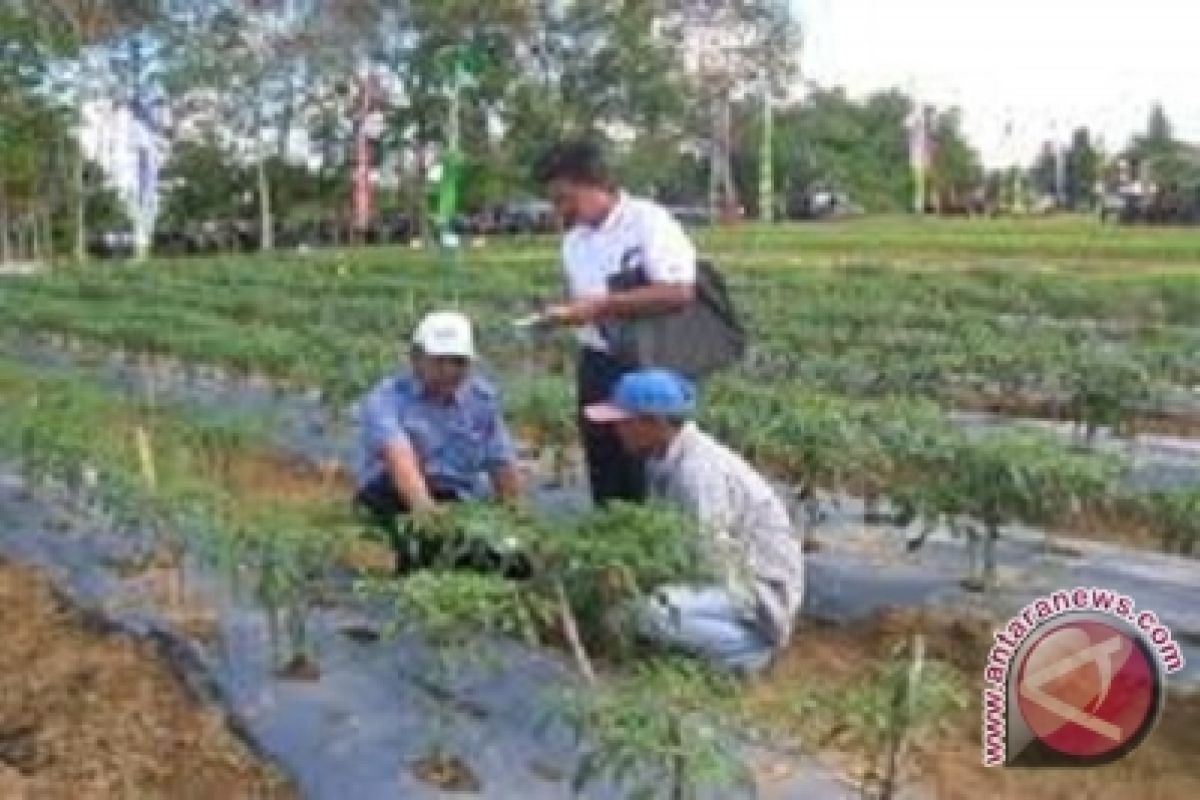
(1177, 511)
(1107, 389)
(829, 398)
(1162, 158)
(656, 732)
(835, 142)
(454, 609)
(1010, 477)
(70, 430)
(956, 170)
(208, 184)
(548, 403)
(637, 546)
(889, 706)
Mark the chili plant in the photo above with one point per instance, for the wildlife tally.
(456, 613)
(1177, 512)
(888, 707)
(656, 732)
(1107, 389)
(978, 487)
(289, 550)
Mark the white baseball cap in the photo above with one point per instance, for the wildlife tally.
(445, 333)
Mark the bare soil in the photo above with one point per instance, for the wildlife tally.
(944, 759)
(256, 475)
(86, 713)
(448, 773)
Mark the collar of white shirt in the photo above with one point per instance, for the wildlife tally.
(615, 214)
(678, 447)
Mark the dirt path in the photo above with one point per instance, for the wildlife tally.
(88, 714)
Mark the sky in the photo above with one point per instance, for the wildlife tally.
(1046, 66)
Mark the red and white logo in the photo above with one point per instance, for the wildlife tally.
(1078, 678)
(1088, 689)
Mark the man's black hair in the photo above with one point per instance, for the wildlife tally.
(580, 161)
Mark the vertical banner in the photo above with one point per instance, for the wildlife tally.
(137, 176)
(362, 156)
(919, 156)
(766, 176)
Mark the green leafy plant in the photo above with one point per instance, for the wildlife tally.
(978, 487)
(1177, 513)
(289, 551)
(657, 732)
(457, 613)
(888, 707)
(1107, 389)
(544, 407)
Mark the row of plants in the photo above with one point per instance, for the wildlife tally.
(932, 471)
(1073, 239)
(879, 331)
(870, 447)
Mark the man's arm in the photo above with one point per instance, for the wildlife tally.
(657, 298)
(501, 461)
(405, 471)
(670, 267)
(386, 437)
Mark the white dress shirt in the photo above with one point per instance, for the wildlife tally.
(637, 233)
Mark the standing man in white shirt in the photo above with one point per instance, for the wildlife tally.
(613, 238)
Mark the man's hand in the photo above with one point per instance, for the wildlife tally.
(406, 475)
(430, 519)
(580, 312)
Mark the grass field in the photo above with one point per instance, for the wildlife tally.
(1076, 241)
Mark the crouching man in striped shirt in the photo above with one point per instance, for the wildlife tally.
(742, 526)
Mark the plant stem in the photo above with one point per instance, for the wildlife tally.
(902, 707)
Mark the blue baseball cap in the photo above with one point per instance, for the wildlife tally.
(646, 393)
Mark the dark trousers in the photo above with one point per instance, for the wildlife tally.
(417, 549)
(612, 473)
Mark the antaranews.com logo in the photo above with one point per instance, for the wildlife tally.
(1075, 679)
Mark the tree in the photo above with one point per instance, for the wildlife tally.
(1159, 131)
(956, 171)
(1084, 164)
(240, 71)
(736, 50)
(205, 183)
(834, 143)
(1160, 158)
(26, 121)
(1042, 176)
(418, 47)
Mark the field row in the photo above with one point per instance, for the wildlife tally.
(1099, 350)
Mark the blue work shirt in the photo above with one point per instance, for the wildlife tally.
(456, 443)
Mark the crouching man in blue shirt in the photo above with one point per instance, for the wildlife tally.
(432, 436)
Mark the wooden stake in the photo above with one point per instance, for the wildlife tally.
(571, 629)
(146, 457)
